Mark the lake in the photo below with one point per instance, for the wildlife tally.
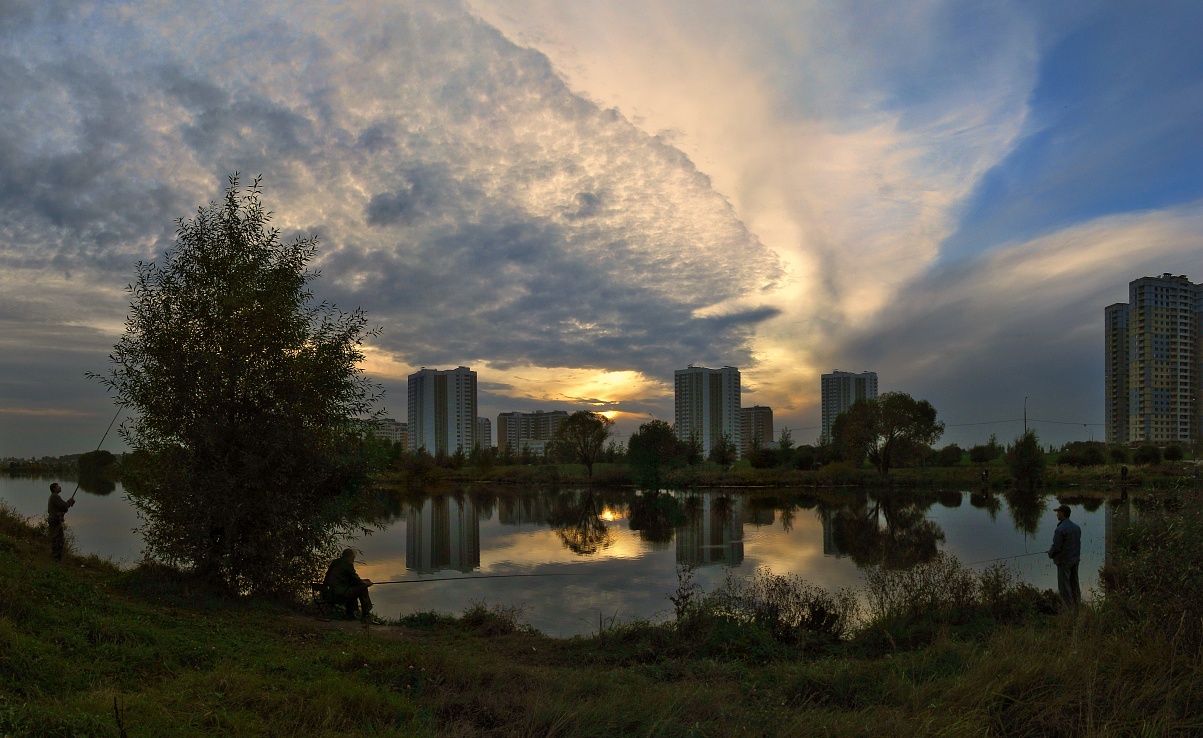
(613, 554)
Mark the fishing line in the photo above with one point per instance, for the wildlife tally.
(106, 435)
(1004, 558)
(484, 576)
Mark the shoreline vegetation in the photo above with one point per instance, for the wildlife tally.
(394, 467)
(938, 649)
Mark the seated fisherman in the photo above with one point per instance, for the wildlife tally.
(346, 587)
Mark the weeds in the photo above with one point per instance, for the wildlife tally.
(497, 620)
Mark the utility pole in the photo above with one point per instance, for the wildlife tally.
(1025, 416)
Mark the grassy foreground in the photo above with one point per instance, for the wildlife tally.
(86, 649)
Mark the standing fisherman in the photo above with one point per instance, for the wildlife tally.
(1066, 552)
(56, 509)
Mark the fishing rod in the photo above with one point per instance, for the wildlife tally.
(483, 576)
(106, 435)
(1004, 558)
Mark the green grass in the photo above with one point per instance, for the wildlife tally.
(941, 653)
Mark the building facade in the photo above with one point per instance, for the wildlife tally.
(516, 430)
(755, 425)
(706, 404)
(1153, 362)
(484, 432)
(390, 430)
(840, 390)
(442, 410)
(1115, 372)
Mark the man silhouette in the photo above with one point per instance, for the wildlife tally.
(56, 510)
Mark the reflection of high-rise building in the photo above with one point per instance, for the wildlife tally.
(442, 533)
(840, 390)
(713, 532)
(827, 516)
(516, 430)
(484, 432)
(755, 424)
(706, 405)
(1117, 518)
(442, 410)
(1153, 362)
(523, 510)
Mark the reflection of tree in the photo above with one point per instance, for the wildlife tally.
(96, 484)
(577, 520)
(906, 539)
(1027, 507)
(655, 515)
(950, 498)
(986, 501)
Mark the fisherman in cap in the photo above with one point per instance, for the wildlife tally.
(1066, 553)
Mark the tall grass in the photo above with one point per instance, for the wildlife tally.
(940, 650)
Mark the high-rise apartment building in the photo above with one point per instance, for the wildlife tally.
(706, 405)
(390, 430)
(528, 430)
(442, 410)
(1153, 362)
(755, 425)
(1115, 372)
(484, 432)
(840, 390)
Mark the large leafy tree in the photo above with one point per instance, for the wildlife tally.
(249, 402)
(581, 438)
(880, 427)
(653, 446)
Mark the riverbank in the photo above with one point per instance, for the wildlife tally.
(942, 652)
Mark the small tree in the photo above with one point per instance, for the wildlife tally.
(248, 402)
(1147, 455)
(581, 438)
(1025, 459)
(1174, 452)
(983, 454)
(723, 451)
(785, 448)
(950, 455)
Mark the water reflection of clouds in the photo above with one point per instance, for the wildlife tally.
(633, 574)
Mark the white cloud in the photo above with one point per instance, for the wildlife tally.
(845, 136)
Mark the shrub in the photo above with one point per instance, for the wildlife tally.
(494, 621)
(1081, 454)
(1147, 455)
(791, 610)
(1154, 577)
(950, 455)
(1174, 452)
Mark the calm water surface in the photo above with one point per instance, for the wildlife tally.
(615, 554)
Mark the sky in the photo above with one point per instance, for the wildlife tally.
(577, 198)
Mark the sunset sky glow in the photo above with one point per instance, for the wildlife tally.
(577, 198)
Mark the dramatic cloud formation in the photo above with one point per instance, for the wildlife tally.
(577, 198)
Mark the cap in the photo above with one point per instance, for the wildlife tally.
(1062, 509)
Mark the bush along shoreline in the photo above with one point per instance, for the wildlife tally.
(936, 649)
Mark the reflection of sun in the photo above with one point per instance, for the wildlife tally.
(609, 515)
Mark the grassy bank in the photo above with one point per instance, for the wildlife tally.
(940, 650)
